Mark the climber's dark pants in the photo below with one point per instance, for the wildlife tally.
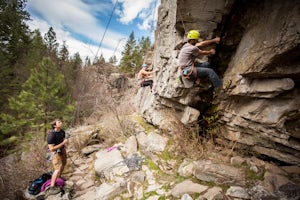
(147, 83)
(203, 70)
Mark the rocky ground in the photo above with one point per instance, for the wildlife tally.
(145, 165)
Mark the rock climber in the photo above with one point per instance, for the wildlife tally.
(190, 51)
(144, 75)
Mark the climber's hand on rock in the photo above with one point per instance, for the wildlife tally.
(217, 40)
(212, 52)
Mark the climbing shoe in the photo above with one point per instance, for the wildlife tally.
(227, 85)
(53, 191)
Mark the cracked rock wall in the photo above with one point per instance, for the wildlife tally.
(259, 52)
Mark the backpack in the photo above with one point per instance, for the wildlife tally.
(35, 185)
(59, 183)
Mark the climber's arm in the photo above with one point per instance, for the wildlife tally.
(148, 73)
(208, 42)
(209, 52)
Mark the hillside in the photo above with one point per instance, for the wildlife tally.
(118, 155)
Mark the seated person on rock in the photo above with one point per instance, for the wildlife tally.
(190, 51)
(144, 75)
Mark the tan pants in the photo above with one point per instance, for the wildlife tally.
(59, 160)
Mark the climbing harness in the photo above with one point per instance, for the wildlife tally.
(141, 81)
(187, 72)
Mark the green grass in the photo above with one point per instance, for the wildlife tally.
(144, 124)
(179, 178)
(152, 165)
(162, 198)
(149, 194)
(167, 155)
(252, 175)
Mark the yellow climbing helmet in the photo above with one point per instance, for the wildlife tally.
(193, 35)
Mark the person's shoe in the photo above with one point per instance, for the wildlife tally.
(53, 191)
(204, 86)
(227, 85)
(154, 92)
(217, 92)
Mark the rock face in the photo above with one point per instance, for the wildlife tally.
(259, 52)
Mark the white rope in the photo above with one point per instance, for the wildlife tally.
(105, 30)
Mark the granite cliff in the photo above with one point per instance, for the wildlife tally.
(259, 53)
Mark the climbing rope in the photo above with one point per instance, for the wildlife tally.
(134, 164)
(105, 30)
(181, 18)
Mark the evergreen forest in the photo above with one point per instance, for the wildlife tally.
(40, 81)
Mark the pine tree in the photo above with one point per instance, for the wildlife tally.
(137, 58)
(63, 55)
(37, 50)
(145, 45)
(87, 61)
(76, 61)
(75, 66)
(43, 98)
(14, 30)
(113, 60)
(14, 42)
(35, 53)
(140, 51)
(51, 43)
(133, 53)
(101, 59)
(126, 63)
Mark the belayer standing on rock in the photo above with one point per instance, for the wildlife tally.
(57, 144)
(144, 75)
(190, 51)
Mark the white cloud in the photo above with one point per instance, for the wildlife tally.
(149, 19)
(71, 17)
(81, 23)
(90, 50)
(75, 45)
(67, 12)
(132, 9)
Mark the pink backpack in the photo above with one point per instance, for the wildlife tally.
(59, 183)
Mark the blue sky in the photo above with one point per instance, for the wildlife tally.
(82, 23)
